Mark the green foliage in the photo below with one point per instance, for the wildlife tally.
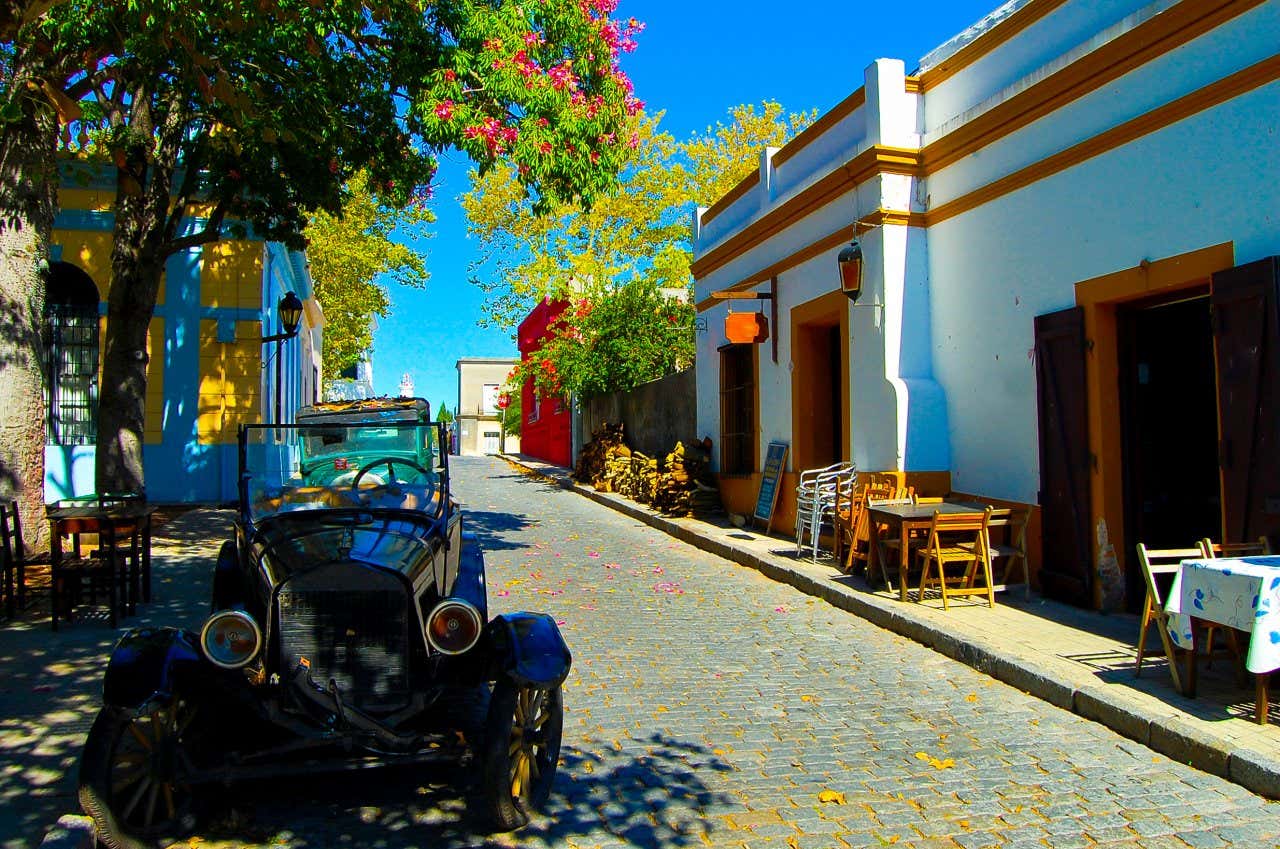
(250, 115)
(443, 414)
(643, 230)
(624, 338)
(512, 417)
(348, 254)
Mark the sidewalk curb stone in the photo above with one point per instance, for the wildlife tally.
(1169, 735)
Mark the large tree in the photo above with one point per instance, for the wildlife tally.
(349, 254)
(618, 262)
(642, 230)
(250, 112)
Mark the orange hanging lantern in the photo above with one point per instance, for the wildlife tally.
(746, 328)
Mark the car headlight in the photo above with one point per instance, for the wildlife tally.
(230, 639)
(454, 626)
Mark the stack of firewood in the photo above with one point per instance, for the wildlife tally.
(686, 488)
(606, 444)
(680, 485)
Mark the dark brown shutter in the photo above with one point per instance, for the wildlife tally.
(1066, 570)
(1245, 336)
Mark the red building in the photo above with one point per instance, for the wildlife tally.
(545, 426)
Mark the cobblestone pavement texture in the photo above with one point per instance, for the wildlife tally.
(708, 706)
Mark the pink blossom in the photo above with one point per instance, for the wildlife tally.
(450, 76)
(444, 110)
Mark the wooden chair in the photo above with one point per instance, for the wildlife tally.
(1211, 550)
(1157, 562)
(1013, 549)
(957, 538)
(14, 554)
(878, 489)
(895, 496)
(844, 519)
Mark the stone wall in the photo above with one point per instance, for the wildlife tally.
(656, 414)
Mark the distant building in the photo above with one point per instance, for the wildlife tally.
(406, 386)
(546, 429)
(353, 383)
(479, 418)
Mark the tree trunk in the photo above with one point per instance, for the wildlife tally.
(141, 242)
(28, 193)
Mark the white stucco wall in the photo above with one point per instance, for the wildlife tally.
(942, 375)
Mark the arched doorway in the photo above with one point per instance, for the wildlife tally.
(71, 346)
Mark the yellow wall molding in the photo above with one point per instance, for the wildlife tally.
(1000, 34)
(1150, 40)
(745, 185)
(879, 159)
(1215, 94)
(1174, 277)
(835, 115)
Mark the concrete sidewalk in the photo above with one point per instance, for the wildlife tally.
(1080, 660)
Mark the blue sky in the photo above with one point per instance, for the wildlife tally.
(696, 60)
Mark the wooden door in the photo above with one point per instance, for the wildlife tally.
(1246, 341)
(1066, 570)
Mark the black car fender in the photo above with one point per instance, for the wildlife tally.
(153, 663)
(529, 649)
(470, 584)
(227, 588)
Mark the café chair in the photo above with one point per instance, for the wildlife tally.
(893, 496)
(845, 517)
(1156, 563)
(957, 539)
(1013, 549)
(1211, 550)
(13, 552)
(815, 501)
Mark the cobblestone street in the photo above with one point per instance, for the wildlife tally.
(709, 705)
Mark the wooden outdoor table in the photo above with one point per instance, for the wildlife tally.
(905, 518)
(105, 521)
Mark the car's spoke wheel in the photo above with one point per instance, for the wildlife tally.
(133, 774)
(522, 747)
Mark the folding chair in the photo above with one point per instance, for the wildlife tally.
(877, 488)
(1013, 549)
(1211, 550)
(957, 538)
(894, 496)
(845, 516)
(1158, 562)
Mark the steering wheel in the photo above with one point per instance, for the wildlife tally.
(389, 462)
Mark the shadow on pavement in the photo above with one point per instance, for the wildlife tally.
(649, 794)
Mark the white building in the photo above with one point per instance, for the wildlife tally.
(1048, 207)
(480, 413)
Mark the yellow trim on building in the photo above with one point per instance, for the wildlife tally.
(231, 275)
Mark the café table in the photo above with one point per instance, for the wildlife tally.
(117, 523)
(1237, 592)
(903, 519)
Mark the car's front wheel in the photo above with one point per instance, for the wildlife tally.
(522, 748)
(132, 774)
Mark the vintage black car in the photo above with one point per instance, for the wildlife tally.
(348, 613)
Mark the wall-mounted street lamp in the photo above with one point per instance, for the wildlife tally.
(850, 263)
(289, 309)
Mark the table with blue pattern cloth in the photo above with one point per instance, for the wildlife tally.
(1238, 592)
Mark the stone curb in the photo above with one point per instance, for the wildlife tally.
(1170, 735)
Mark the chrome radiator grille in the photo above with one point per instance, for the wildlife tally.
(355, 635)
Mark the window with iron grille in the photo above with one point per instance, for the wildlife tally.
(71, 346)
(737, 409)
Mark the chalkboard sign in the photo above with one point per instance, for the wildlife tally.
(775, 463)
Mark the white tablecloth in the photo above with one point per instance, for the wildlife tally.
(1240, 592)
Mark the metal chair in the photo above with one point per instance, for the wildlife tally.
(816, 496)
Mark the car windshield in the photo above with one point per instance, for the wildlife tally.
(341, 465)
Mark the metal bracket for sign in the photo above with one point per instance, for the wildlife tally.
(729, 295)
